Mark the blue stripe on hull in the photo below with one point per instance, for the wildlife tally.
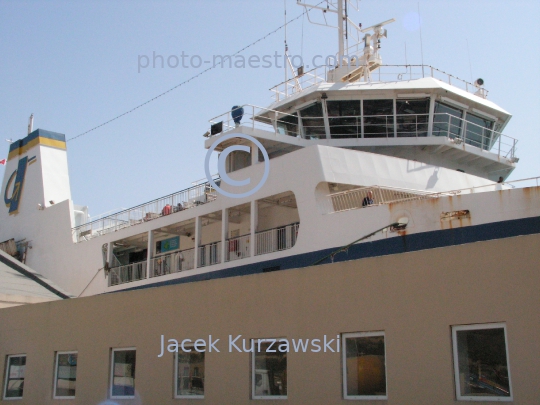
(395, 245)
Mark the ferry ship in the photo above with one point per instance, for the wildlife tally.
(357, 161)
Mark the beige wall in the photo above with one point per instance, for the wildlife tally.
(413, 297)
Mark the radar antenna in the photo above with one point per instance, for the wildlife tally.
(353, 62)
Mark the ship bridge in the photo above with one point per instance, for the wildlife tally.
(417, 113)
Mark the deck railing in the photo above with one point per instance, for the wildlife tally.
(276, 239)
(237, 248)
(361, 197)
(172, 263)
(267, 241)
(299, 83)
(182, 200)
(385, 73)
(127, 273)
(375, 126)
(209, 254)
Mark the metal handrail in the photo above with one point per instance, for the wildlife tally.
(354, 198)
(179, 201)
(297, 84)
(280, 91)
(238, 245)
(444, 124)
(276, 239)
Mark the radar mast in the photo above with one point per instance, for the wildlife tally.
(356, 59)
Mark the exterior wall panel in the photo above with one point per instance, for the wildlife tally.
(414, 298)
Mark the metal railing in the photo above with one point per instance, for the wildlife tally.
(524, 183)
(385, 73)
(182, 200)
(237, 248)
(367, 196)
(377, 126)
(209, 254)
(361, 197)
(299, 83)
(127, 273)
(277, 121)
(276, 239)
(172, 263)
(463, 131)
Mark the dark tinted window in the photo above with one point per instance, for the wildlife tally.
(447, 120)
(412, 117)
(378, 118)
(478, 132)
(344, 118)
(313, 122)
(288, 124)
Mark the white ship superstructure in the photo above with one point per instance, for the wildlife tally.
(395, 158)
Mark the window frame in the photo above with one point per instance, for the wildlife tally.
(344, 337)
(176, 396)
(56, 374)
(252, 371)
(6, 379)
(457, 388)
(111, 378)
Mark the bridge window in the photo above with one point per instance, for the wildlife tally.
(478, 131)
(313, 121)
(378, 118)
(412, 117)
(344, 118)
(447, 121)
(288, 124)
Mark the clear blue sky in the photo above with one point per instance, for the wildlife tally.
(74, 64)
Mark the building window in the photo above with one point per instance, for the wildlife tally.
(268, 370)
(14, 383)
(189, 374)
(123, 373)
(364, 365)
(481, 368)
(65, 375)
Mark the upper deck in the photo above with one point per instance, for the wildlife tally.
(413, 115)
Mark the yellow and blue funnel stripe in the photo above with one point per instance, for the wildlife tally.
(38, 137)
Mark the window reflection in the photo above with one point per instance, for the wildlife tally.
(288, 124)
(378, 118)
(344, 118)
(15, 377)
(412, 117)
(123, 373)
(313, 121)
(478, 131)
(190, 372)
(66, 374)
(482, 369)
(447, 121)
(269, 376)
(365, 365)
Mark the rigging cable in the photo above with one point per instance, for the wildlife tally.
(191, 78)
